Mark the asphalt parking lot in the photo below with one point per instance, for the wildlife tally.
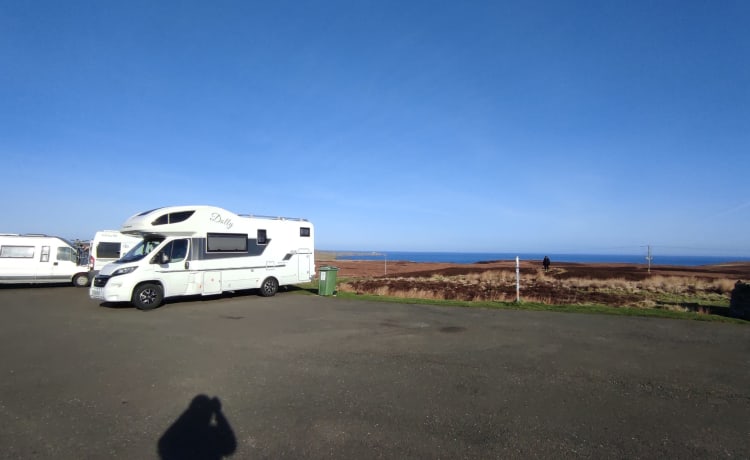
(302, 376)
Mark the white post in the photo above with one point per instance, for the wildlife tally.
(518, 280)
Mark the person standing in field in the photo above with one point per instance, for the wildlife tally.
(546, 263)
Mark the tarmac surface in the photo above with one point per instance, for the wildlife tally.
(303, 376)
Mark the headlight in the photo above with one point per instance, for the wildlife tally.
(124, 271)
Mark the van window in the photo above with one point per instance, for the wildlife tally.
(107, 250)
(226, 242)
(304, 231)
(17, 252)
(262, 238)
(45, 254)
(68, 254)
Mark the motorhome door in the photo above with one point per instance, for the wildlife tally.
(303, 271)
(173, 269)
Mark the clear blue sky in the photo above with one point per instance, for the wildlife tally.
(570, 126)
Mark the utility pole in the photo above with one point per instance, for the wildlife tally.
(518, 280)
(385, 261)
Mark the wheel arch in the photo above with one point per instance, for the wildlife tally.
(152, 281)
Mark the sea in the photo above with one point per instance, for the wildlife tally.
(475, 257)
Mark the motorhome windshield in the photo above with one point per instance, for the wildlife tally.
(141, 250)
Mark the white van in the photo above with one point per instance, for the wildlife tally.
(108, 246)
(40, 259)
(188, 250)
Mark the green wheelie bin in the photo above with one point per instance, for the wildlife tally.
(327, 281)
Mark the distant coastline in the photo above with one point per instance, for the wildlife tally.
(483, 257)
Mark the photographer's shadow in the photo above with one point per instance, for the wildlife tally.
(201, 432)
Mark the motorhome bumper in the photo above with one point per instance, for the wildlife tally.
(111, 289)
(106, 295)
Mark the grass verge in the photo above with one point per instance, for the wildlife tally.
(312, 288)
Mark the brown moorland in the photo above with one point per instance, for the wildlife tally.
(703, 289)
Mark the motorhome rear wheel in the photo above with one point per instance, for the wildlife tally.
(269, 287)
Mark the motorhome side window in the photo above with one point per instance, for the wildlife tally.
(45, 254)
(262, 237)
(176, 250)
(180, 216)
(226, 242)
(304, 231)
(173, 218)
(161, 220)
(17, 252)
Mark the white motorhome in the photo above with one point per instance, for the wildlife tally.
(108, 246)
(40, 259)
(189, 250)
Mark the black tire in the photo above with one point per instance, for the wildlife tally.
(147, 296)
(81, 280)
(269, 287)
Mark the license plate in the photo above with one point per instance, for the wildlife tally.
(96, 293)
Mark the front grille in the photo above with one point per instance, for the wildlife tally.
(101, 281)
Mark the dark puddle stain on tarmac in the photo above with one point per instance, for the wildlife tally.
(230, 317)
(446, 329)
(394, 323)
(397, 324)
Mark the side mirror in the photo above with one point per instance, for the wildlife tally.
(160, 258)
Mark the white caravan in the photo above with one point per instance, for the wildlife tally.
(188, 250)
(108, 246)
(40, 259)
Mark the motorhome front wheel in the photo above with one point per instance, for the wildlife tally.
(147, 296)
